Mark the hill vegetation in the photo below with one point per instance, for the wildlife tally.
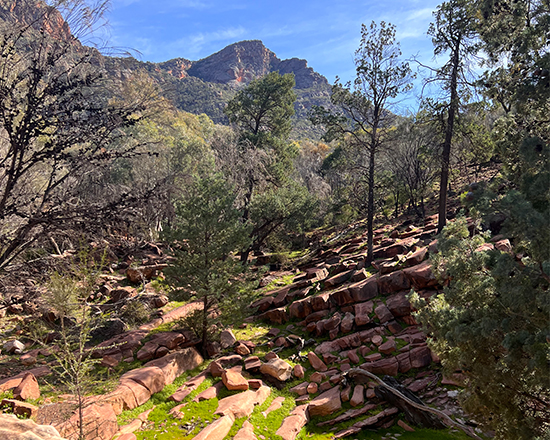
(233, 246)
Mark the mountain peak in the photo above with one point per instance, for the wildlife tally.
(236, 64)
(239, 63)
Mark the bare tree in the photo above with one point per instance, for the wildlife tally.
(60, 122)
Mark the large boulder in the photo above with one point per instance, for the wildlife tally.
(12, 428)
(99, 423)
(28, 388)
(177, 363)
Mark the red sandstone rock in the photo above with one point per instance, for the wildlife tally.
(246, 432)
(293, 424)
(234, 381)
(388, 347)
(358, 397)
(218, 429)
(99, 423)
(299, 371)
(327, 403)
(383, 313)
(316, 363)
(27, 389)
(388, 366)
(393, 282)
(421, 276)
(151, 378)
(364, 290)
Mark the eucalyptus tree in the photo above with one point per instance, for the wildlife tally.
(365, 120)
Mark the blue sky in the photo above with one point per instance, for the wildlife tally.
(325, 33)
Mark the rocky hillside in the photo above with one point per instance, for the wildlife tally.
(333, 352)
(206, 85)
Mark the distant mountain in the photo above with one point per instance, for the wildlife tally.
(206, 85)
(202, 86)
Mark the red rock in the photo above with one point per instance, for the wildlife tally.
(352, 356)
(218, 429)
(127, 436)
(327, 403)
(234, 381)
(388, 366)
(316, 363)
(393, 282)
(362, 311)
(277, 316)
(281, 299)
(300, 389)
(294, 423)
(364, 290)
(333, 322)
(99, 423)
(358, 397)
(278, 369)
(246, 432)
(399, 305)
(254, 384)
(420, 357)
(320, 302)
(316, 377)
(209, 393)
(263, 304)
(147, 352)
(417, 257)
(275, 405)
(242, 349)
(419, 385)
(383, 314)
(421, 276)
(27, 389)
(345, 393)
(151, 378)
(20, 408)
(338, 279)
(404, 362)
(312, 388)
(169, 340)
(252, 363)
(347, 323)
(141, 393)
(300, 309)
(341, 297)
(377, 340)
(504, 246)
(403, 425)
(299, 371)
(388, 347)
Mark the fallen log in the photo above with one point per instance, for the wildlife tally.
(362, 376)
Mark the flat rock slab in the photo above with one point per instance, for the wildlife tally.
(217, 430)
(327, 403)
(13, 428)
(275, 405)
(293, 424)
(246, 432)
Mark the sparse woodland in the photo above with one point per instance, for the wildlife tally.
(177, 220)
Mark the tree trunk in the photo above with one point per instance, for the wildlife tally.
(453, 107)
(370, 208)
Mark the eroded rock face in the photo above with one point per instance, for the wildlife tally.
(13, 428)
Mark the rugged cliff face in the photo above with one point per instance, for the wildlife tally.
(202, 86)
(36, 14)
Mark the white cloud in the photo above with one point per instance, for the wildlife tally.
(193, 46)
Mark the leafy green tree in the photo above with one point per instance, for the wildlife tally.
(453, 32)
(491, 323)
(260, 161)
(205, 233)
(365, 120)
